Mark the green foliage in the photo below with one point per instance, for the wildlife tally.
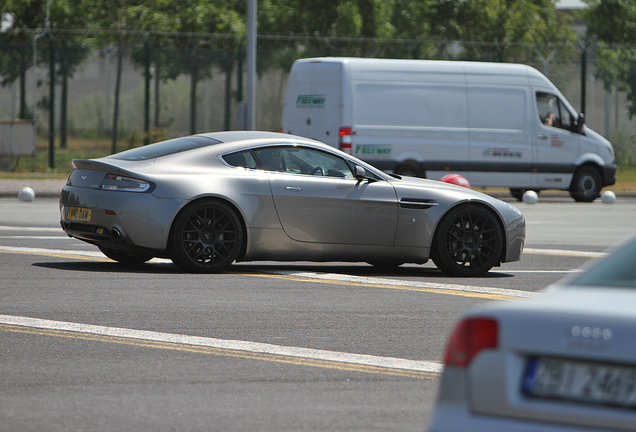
(613, 23)
(625, 148)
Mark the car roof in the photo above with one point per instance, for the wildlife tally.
(230, 136)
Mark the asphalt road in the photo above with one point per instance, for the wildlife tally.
(87, 344)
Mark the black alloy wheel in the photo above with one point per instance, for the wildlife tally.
(586, 184)
(122, 257)
(468, 241)
(207, 237)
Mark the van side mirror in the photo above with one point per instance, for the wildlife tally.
(578, 124)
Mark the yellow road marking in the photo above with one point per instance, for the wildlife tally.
(221, 352)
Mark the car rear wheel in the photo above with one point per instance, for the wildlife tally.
(586, 184)
(206, 238)
(468, 241)
(125, 257)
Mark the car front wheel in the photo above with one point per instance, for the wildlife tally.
(468, 241)
(207, 237)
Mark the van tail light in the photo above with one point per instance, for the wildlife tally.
(345, 139)
(468, 338)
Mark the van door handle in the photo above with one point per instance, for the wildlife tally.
(293, 188)
(543, 137)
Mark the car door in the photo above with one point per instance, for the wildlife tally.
(318, 199)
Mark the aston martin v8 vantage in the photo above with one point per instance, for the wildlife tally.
(208, 200)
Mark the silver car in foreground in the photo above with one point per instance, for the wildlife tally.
(563, 361)
(208, 200)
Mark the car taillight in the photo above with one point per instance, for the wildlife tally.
(119, 183)
(345, 139)
(468, 338)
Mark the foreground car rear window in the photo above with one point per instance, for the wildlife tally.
(165, 148)
(617, 270)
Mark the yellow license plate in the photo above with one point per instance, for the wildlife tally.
(79, 214)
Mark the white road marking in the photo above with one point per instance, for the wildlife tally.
(414, 284)
(16, 237)
(16, 228)
(226, 344)
(564, 252)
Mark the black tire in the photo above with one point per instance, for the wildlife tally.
(385, 265)
(207, 237)
(518, 193)
(586, 184)
(468, 241)
(125, 257)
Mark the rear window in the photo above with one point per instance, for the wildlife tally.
(165, 148)
(617, 270)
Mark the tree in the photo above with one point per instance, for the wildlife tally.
(613, 23)
(120, 22)
(16, 56)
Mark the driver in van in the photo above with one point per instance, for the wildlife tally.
(550, 119)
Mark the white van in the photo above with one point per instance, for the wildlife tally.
(496, 124)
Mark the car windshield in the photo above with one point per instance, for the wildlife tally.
(617, 270)
(165, 148)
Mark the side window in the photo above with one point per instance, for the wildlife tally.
(299, 160)
(552, 111)
(241, 159)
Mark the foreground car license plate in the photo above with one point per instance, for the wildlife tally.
(580, 381)
(79, 214)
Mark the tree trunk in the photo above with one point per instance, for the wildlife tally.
(63, 110)
(193, 100)
(120, 59)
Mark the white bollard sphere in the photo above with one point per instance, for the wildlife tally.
(530, 197)
(26, 194)
(608, 197)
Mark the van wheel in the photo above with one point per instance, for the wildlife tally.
(586, 184)
(409, 169)
(518, 193)
(468, 241)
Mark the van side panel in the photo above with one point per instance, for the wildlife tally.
(313, 101)
(391, 118)
(501, 152)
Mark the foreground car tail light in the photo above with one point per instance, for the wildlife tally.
(468, 338)
(116, 182)
(345, 139)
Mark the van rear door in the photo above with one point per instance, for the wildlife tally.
(312, 103)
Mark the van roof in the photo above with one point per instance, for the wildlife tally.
(405, 65)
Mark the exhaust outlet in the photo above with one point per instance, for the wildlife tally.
(116, 234)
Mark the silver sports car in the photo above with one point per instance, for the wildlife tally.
(208, 200)
(564, 361)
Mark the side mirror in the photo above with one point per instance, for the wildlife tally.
(360, 174)
(580, 121)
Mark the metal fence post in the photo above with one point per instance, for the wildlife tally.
(146, 90)
(52, 102)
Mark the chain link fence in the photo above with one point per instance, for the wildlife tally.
(155, 80)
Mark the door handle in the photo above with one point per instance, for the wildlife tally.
(293, 188)
(543, 137)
